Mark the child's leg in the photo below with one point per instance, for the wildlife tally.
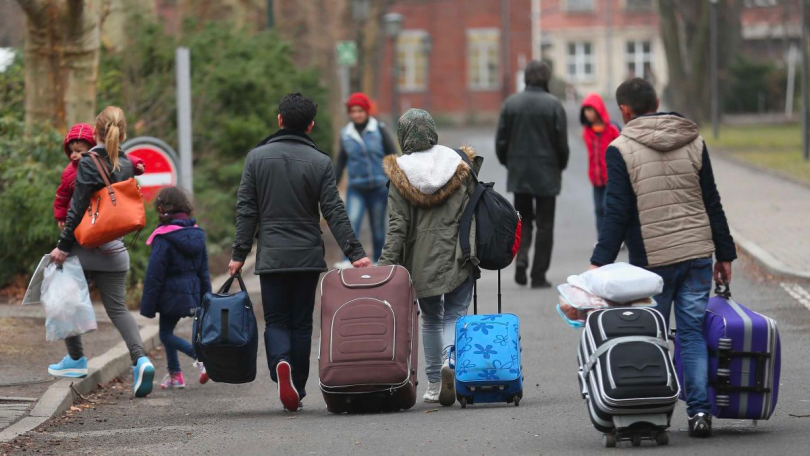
(173, 343)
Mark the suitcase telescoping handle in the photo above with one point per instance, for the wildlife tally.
(227, 285)
(475, 294)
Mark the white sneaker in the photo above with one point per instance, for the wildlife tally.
(447, 395)
(432, 393)
(345, 264)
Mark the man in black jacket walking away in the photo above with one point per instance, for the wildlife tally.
(532, 142)
(285, 180)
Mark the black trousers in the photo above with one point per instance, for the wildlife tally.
(288, 300)
(539, 211)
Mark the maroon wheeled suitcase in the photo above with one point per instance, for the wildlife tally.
(369, 342)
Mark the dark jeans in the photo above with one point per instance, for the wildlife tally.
(173, 343)
(375, 201)
(288, 300)
(688, 285)
(543, 217)
(599, 207)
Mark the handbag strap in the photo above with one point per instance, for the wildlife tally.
(227, 285)
(101, 167)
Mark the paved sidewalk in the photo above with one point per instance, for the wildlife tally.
(769, 216)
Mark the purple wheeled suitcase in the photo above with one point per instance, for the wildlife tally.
(744, 359)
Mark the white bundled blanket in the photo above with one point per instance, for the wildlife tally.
(619, 282)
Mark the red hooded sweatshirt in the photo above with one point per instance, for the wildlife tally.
(64, 193)
(597, 142)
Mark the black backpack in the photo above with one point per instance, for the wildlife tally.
(497, 225)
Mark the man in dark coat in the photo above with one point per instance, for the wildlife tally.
(287, 182)
(532, 142)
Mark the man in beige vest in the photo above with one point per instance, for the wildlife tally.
(662, 200)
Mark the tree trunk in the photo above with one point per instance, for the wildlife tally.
(62, 41)
(115, 30)
(671, 36)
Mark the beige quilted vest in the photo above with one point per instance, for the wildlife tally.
(664, 157)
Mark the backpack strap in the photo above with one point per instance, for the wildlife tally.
(467, 216)
(466, 220)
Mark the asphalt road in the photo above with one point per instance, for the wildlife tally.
(551, 419)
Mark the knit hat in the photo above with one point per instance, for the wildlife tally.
(359, 99)
(80, 131)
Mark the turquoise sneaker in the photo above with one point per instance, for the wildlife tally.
(143, 374)
(69, 367)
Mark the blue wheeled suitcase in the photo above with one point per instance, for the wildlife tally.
(225, 334)
(488, 366)
(745, 358)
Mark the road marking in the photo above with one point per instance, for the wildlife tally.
(798, 293)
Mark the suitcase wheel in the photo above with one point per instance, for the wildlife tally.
(517, 401)
(635, 440)
(662, 438)
(463, 401)
(609, 440)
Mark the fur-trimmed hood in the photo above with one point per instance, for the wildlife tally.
(410, 184)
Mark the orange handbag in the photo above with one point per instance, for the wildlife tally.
(114, 211)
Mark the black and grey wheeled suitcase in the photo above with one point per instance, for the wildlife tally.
(626, 375)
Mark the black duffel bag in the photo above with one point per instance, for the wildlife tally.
(226, 337)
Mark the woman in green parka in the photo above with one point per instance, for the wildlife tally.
(430, 186)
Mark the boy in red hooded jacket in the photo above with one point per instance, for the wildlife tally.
(598, 132)
(78, 141)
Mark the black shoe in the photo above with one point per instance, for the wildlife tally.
(700, 425)
(541, 284)
(520, 276)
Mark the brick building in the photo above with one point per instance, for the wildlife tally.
(594, 45)
(451, 56)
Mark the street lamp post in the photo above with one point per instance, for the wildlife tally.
(715, 94)
(427, 49)
(393, 25)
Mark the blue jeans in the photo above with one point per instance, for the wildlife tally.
(599, 207)
(439, 315)
(172, 343)
(288, 300)
(375, 201)
(688, 284)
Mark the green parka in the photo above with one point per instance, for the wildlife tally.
(423, 229)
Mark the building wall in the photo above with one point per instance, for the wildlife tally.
(447, 93)
(560, 27)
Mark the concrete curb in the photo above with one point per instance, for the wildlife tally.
(765, 259)
(59, 397)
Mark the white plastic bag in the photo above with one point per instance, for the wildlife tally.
(33, 295)
(619, 282)
(66, 299)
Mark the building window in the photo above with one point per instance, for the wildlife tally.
(580, 61)
(482, 58)
(639, 59)
(579, 6)
(638, 5)
(412, 61)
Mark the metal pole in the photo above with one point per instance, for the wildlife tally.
(394, 84)
(537, 45)
(791, 82)
(715, 94)
(271, 19)
(183, 74)
(805, 82)
(506, 52)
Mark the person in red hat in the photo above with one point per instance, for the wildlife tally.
(78, 141)
(364, 142)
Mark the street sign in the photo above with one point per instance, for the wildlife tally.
(346, 53)
(160, 162)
